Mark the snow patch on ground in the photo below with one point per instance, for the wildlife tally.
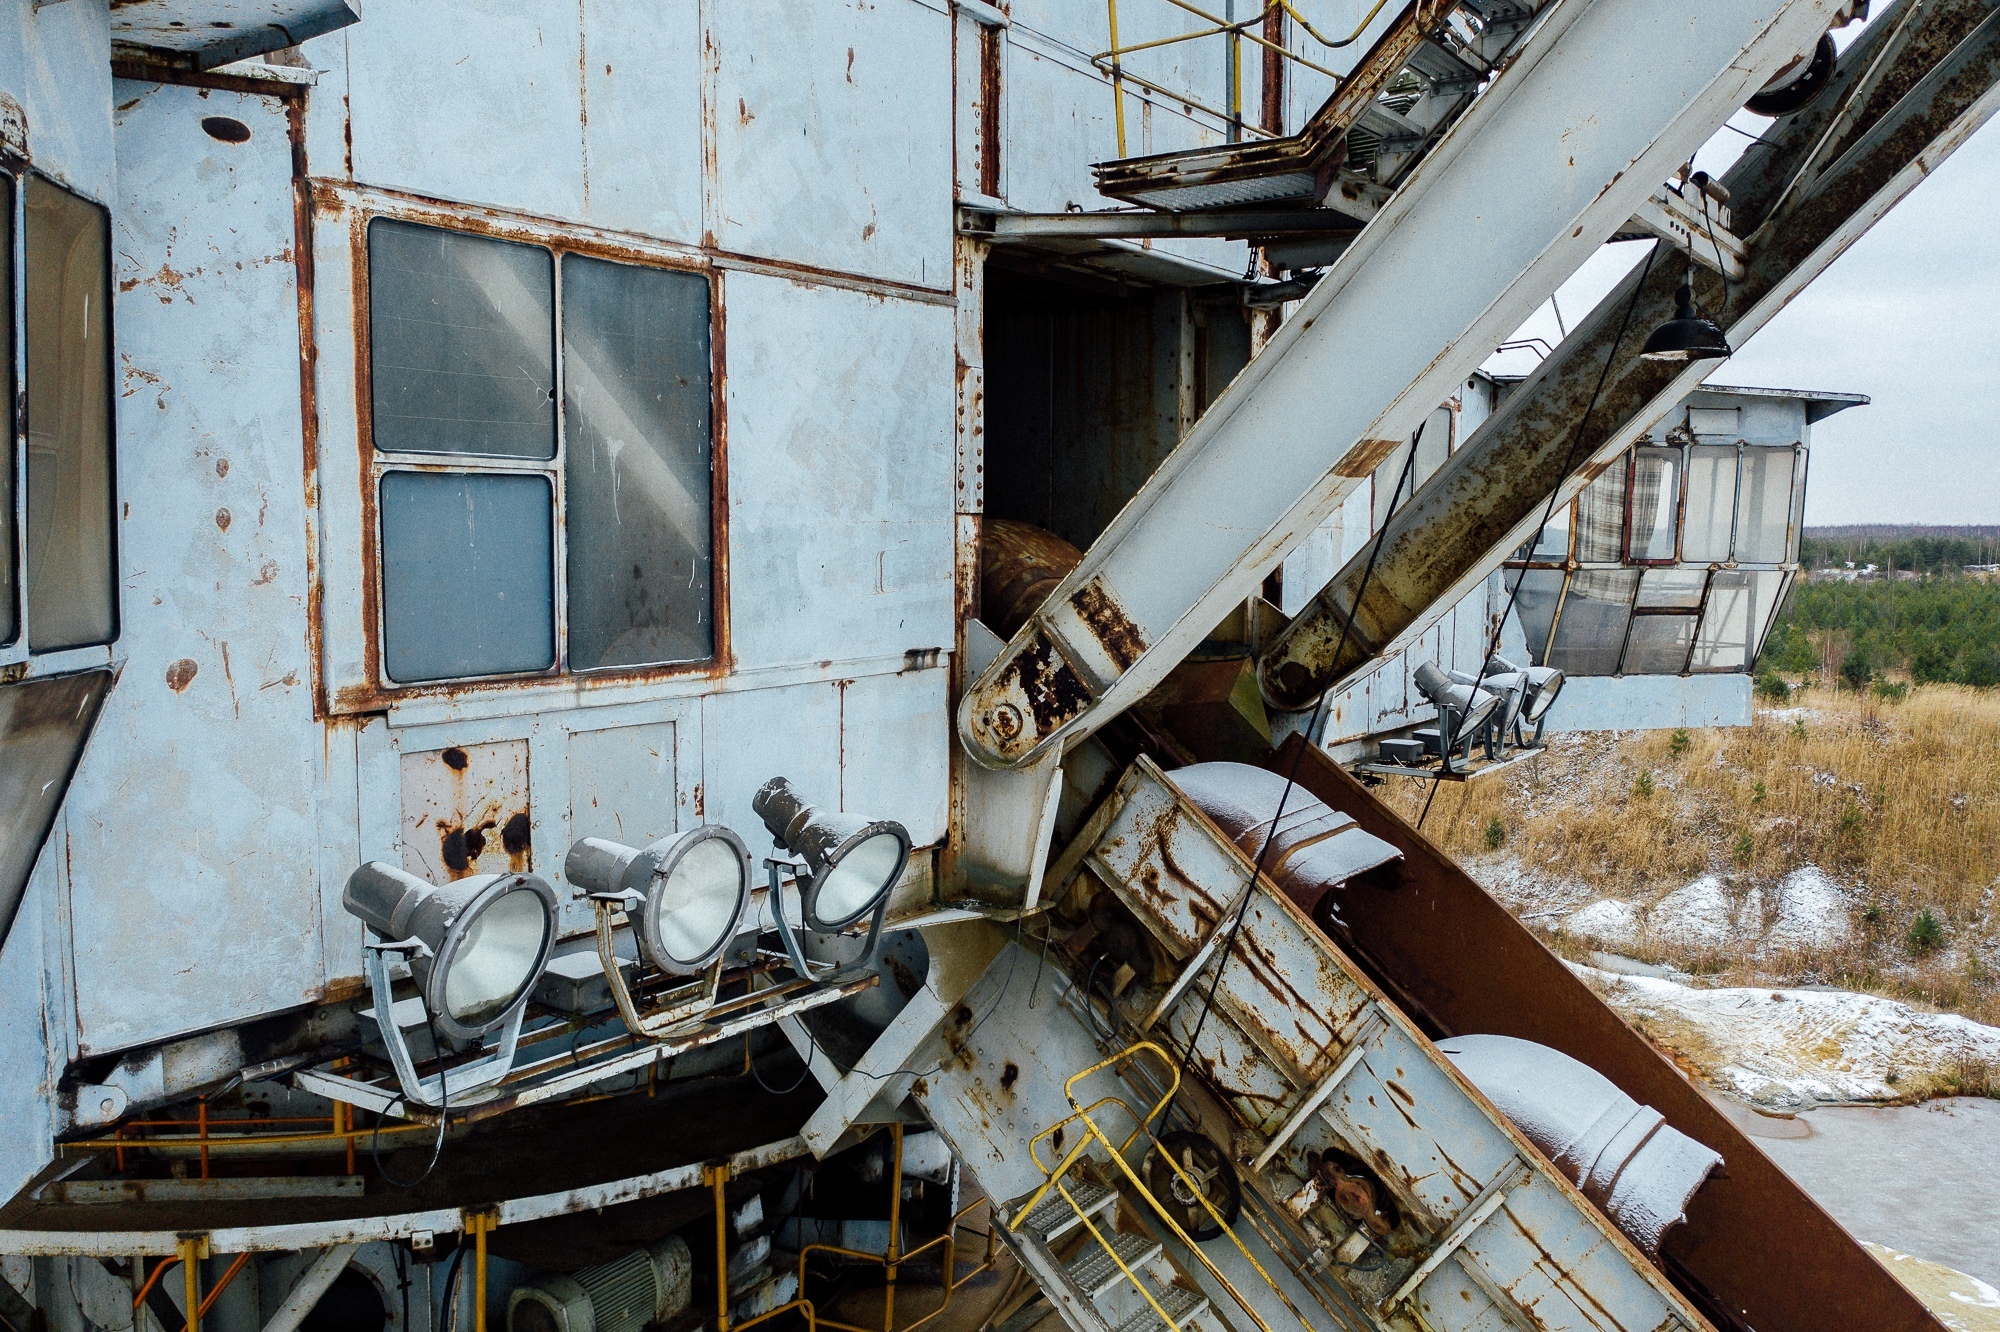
(1608, 921)
(1813, 912)
(1697, 916)
(1792, 1049)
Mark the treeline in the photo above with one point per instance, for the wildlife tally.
(1920, 554)
(1937, 631)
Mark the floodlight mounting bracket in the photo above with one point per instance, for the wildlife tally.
(680, 1008)
(860, 966)
(466, 1085)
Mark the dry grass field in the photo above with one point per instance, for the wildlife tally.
(1896, 803)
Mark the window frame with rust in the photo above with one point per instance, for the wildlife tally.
(23, 651)
(559, 241)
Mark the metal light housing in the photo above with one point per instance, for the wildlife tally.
(1543, 684)
(1689, 336)
(852, 862)
(687, 895)
(1467, 706)
(485, 939)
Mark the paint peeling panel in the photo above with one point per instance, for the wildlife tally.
(623, 785)
(1538, 1251)
(640, 62)
(431, 103)
(833, 135)
(1399, 1107)
(185, 868)
(841, 473)
(466, 811)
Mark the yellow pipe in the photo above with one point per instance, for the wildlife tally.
(1117, 77)
(193, 1249)
(718, 1177)
(895, 1222)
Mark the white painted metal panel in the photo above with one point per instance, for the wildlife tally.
(841, 473)
(751, 737)
(641, 65)
(193, 825)
(26, 1082)
(481, 107)
(895, 746)
(833, 135)
(460, 803)
(55, 67)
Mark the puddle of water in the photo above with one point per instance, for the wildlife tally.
(1922, 1179)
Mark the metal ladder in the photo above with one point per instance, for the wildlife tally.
(1123, 1278)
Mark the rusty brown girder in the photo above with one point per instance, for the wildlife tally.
(1756, 1251)
(1863, 144)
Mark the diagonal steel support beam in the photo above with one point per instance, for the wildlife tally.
(1603, 99)
(1907, 92)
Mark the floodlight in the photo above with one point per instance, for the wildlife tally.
(686, 897)
(475, 947)
(686, 894)
(1689, 336)
(1543, 684)
(1463, 709)
(851, 863)
(854, 862)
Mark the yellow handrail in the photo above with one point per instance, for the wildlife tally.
(1111, 60)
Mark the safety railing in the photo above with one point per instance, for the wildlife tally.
(1234, 33)
(1093, 1133)
(891, 1260)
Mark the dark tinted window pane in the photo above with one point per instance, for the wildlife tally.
(71, 559)
(468, 575)
(10, 618)
(461, 333)
(637, 464)
(1590, 633)
(1658, 644)
(43, 724)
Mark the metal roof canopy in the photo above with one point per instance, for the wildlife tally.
(201, 34)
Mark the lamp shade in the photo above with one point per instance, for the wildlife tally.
(1688, 336)
(1469, 705)
(695, 888)
(854, 861)
(486, 938)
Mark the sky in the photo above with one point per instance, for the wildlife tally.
(1910, 316)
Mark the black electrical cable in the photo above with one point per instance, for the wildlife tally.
(444, 1117)
(1548, 511)
(403, 1284)
(1291, 776)
(447, 1313)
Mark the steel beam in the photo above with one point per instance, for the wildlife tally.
(1004, 228)
(1603, 99)
(1906, 93)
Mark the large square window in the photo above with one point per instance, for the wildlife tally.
(543, 457)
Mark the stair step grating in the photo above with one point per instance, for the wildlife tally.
(1053, 1217)
(1180, 1305)
(1095, 1270)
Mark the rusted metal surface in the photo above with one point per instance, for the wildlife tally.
(1479, 1225)
(1316, 152)
(1459, 963)
(1488, 497)
(1019, 566)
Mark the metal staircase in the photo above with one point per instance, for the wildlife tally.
(1368, 1186)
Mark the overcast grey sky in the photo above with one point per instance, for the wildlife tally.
(1911, 317)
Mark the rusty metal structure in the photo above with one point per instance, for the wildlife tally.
(639, 664)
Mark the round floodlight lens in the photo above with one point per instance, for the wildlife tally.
(696, 905)
(1545, 696)
(855, 882)
(497, 957)
(1477, 711)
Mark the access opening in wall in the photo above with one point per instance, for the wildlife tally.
(1090, 383)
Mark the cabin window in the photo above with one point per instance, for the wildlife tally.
(543, 457)
(70, 567)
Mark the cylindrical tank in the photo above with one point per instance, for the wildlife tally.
(1019, 566)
